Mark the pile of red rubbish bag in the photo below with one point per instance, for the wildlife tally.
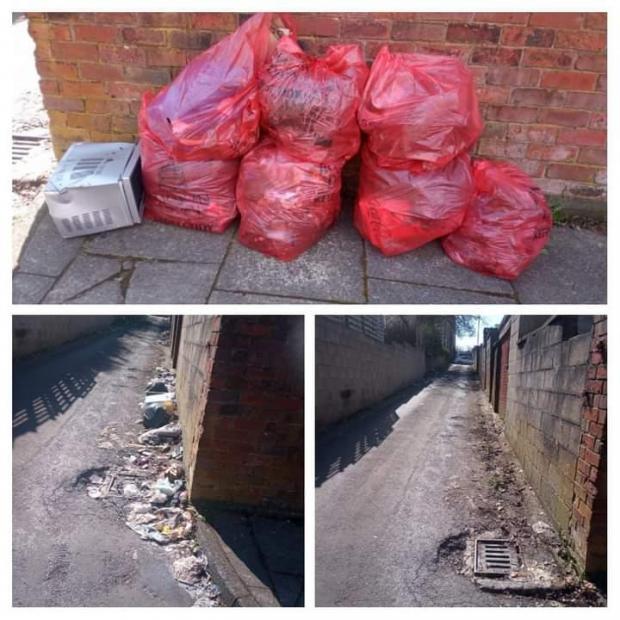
(257, 128)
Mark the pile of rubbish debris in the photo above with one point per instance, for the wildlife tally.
(150, 487)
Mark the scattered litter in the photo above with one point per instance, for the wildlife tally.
(162, 434)
(188, 570)
(151, 481)
(130, 491)
(155, 416)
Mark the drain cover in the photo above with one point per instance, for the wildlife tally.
(495, 556)
(22, 145)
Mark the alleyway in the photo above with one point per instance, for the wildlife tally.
(67, 549)
(403, 487)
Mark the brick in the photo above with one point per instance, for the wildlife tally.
(213, 21)
(81, 88)
(587, 101)
(144, 36)
(88, 121)
(189, 40)
(496, 56)
(127, 90)
(601, 83)
(70, 134)
(163, 20)
(418, 31)
(317, 25)
(591, 458)
(103, 106)
(494, 94)
(591, 62)
(92, 71)
(49, 86)
(537, 96)
(63, 104)
(107, 18)
(596, 21)
(60, 33)
(502, 18)
(557, 20)
(495, 148)
(495, 130)
(371, 29)
(570, 80)
(512, 76)
(527, 37)
(473, 33)
(571, 118)
(542, 134)
(582, 137)
(581, 40)
(548, 58)
(70, 51)
(571, 172)
(165, 58)
(156, 77)
(601, 373)
(512, 114)
(552, 153)
(99, 34)
(118, 54)
(39, 30)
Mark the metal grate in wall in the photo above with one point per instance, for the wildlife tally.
(22, 145)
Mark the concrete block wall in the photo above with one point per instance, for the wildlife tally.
(32, 334)
(543, 418)
(354, 371)
(541, 76)
(246, 432)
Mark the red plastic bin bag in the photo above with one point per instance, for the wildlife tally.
(194, 194)
(507, 225)
(286, 205)
(419, 107)
(309, 105)
(400, 210)
(210, 110)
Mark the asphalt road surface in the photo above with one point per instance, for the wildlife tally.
(68, 550)
(396, 488)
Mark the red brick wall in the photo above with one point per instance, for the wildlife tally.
(589, 517)
(541, 76)
(240, 391)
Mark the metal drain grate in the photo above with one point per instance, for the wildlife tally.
(495, 556)
(22, 145)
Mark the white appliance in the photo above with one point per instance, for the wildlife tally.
(96, 187)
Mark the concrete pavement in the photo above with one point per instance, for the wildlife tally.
(155, 263)
(400, 489)
(67, 549)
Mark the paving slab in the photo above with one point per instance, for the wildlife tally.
(106, 293)
(572, 270)
(229, 297)
(162, 242)
(170, 283)
(429, 265)
(30, 289)
(390, 292)
(331, 271)
(46, 253)
(84, 273)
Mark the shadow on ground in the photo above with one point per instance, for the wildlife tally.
(345, 443)
(271, 548)
(44, 389)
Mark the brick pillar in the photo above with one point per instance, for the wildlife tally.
(588, 527)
